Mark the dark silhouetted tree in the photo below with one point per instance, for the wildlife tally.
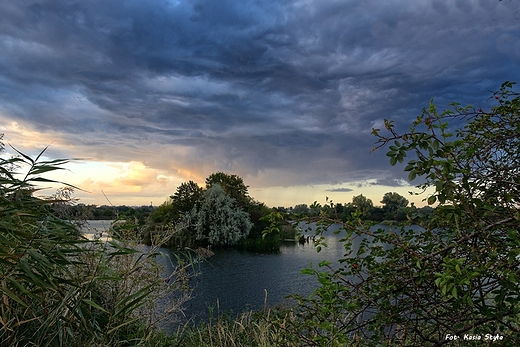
(362, 204)
(394, 205)
(187, 195)
(233, 185)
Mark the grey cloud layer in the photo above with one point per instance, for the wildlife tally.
(292, 87)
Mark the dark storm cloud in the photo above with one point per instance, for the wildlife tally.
(340, 190)
(249, 86)
(389, 182)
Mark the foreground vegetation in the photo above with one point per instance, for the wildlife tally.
(454, 283)
(60, 289)
(458, 280)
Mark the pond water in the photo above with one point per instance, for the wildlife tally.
(96, 229)
(233, 281)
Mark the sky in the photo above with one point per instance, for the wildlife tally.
(284, 93)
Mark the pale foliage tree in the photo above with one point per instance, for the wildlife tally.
(218, 221)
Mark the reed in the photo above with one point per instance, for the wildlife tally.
(58, 288)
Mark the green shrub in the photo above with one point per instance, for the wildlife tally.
(459, 276)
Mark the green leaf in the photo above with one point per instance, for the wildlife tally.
(307, 272)
(128, 322)
(13, 296)
(93, 304)
(454, 292)
(457, 268)
(131, 302)
(29, 159)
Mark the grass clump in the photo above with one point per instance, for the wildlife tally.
(266, 328)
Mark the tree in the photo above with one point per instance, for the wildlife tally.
(301, 209)
(164, 213)
(257, 210)
(218, 221)
(459, 275)
(233, 185)
(344, 211)
(275, 222)
(393, 204)
(186, 197)
(362, 204)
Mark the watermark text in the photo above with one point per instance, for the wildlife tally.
(474, 337)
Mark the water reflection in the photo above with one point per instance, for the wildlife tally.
(234, 280)
(97, 229)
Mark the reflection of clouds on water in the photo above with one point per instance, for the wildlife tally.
(332, 235)
(233, 280)
(96, 229)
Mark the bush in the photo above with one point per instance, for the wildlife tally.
(459, 276)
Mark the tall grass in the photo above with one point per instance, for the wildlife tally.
(59, 289)
(267, 328)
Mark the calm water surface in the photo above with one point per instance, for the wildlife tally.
(233, 281)
(96, 228)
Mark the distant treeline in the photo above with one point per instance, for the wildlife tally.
(395, 208)
(344, 211)
(340, 211)
(105, 212)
